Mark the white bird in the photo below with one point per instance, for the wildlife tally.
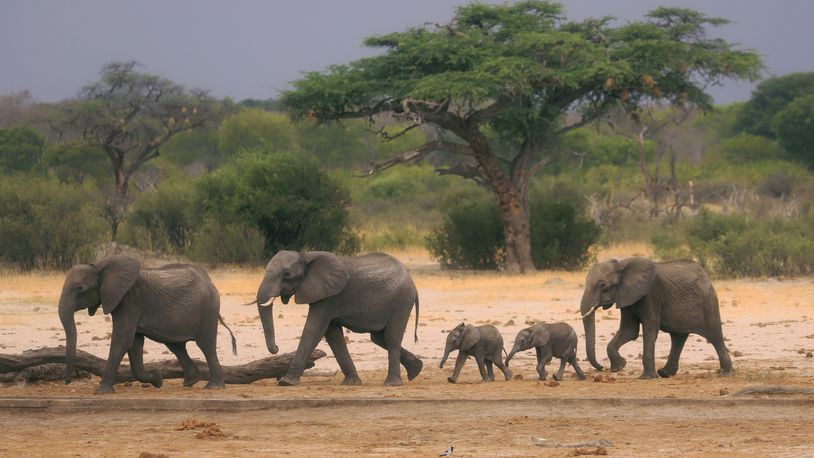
(448, 452)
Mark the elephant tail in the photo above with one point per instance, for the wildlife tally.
(234, 341)
(415, 333)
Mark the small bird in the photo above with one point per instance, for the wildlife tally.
(448, 451)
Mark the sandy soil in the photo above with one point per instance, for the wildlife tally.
(769, 325)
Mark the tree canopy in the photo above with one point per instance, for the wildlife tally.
(769, 98)
(500, 81)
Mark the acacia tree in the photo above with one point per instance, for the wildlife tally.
(499, 82)
(129, 115)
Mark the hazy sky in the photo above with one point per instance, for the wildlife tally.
(253, 48)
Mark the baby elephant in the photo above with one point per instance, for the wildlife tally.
(557, 339)
(483, 342)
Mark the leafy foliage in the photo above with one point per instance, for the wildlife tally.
(770, 98)
(21, 149)
(75, 162)
(794, 126)
(740, 246)
(47, 225)
(471, 235)
(285, 197)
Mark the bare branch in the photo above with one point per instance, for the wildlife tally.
(419, 153)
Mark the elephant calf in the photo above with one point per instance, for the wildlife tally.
(483, 342)
(549, 340)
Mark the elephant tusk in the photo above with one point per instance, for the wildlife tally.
(587, 314)
(250, 303)
(268, 302)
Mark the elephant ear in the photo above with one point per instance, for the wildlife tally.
(471, 337)
(117, 274)
(637, 275)
(325, 276)
(540, 337)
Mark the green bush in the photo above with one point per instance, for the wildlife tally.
(160, 220)
(739, 246)
(44, 224)
(560, 237)
(286, 198)
(231, 243)
(471, 236)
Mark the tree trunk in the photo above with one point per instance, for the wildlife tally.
(269, 367)
(517, 232)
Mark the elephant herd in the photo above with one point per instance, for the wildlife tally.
(375, 294)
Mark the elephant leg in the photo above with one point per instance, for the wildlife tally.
(676, 346)
(500, 365)
(490, 372)
(191, 373)
(412, 364)
(210, 350)
(136, 354)
(482, 368)
(628, 330)
(125, 323)
(723, 356)
(316, 324)
(336, 340)
(545, 357)
(558, 375)
(650, 332)
(459, 364)
(392, 340)
(572, 359)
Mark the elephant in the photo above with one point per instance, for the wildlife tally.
(483, 342)
(554, 339)
(172, 305)
(674, 296)
(372, 293)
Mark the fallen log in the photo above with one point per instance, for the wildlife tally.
(780, 390)
(270, 367)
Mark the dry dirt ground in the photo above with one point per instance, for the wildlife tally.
(769, 325)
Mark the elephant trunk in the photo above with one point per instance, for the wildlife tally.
(267, 319)
(66, 311)
(447, 351)
(589, 324)
(510, 356)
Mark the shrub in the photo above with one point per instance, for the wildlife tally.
(738, 246)
(160, 220)
(217, 243)
(560, 237)
(471, 236)
(286, 198)
(44, 224)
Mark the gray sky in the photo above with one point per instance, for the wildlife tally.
(253, 48)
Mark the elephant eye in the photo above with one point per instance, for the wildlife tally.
(80, 287)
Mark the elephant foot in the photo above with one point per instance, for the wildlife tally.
(508, 375)
(215, 386)
(157, 381)
(352, 381)
(648, 375)
(414, 368)
(618, 365)
(542, 376)
(581, 377)
(452, 379)
(665, 372)
(103, 389)
(393, 381)
(288, 381)
(557, 377)
(727, 372)
(189, 381)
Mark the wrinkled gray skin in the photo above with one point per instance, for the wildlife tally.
(484, 343)
(675, 297)
(172, 305)
(373, 294)
(549, 340)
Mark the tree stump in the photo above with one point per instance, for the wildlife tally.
(40, 365)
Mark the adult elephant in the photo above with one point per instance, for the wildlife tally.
(675, 297)
(373, 294)
(172, 305)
